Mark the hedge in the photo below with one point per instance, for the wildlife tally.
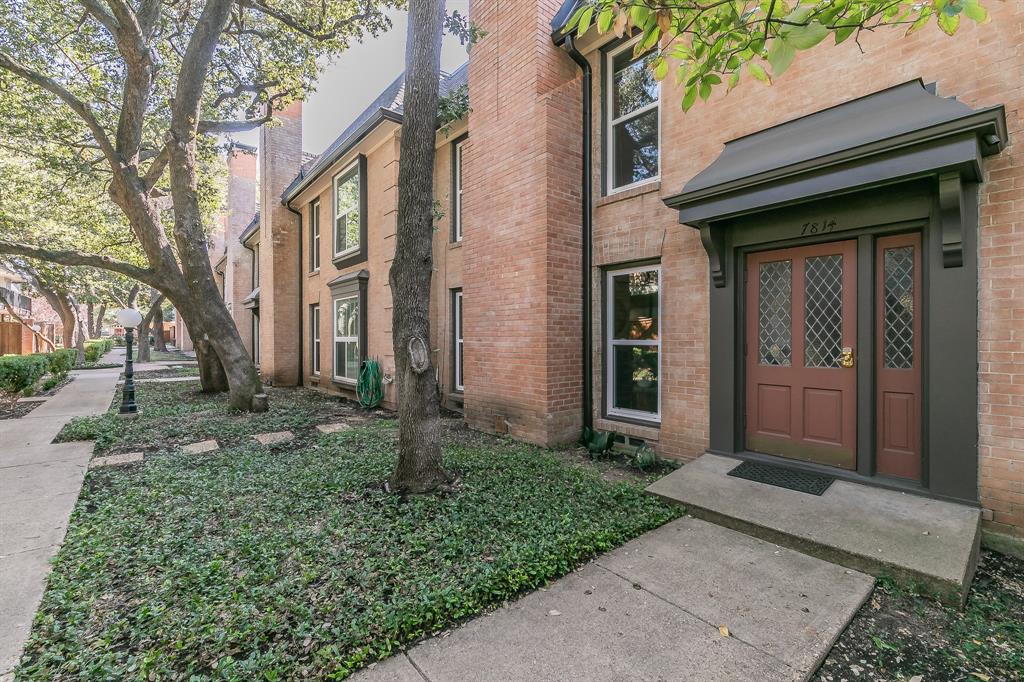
(61, 361)
(19, 373)
(97, 347)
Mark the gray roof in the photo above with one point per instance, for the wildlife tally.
(387, 106)
(250, 229)
(561, 18)
(874, 118)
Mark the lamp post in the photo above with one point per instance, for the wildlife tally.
(129, 318)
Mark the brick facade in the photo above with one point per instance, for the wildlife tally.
(241, 210)
(519, 263)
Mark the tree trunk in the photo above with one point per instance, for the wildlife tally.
(101, 312)
(80, 335)
(419, 467)
(146, 325)
(159, 343)
(212, 377)
(63, 309)
(93, 334)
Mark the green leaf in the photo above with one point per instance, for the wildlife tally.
(844, 33)
(758, 72)
(605, 19)
(585, 18)
(734, 79)
(806, 37)
(660, 68)
(689, 97)
(974, 11)
(949, 23)
(705, 90)
(780, 56)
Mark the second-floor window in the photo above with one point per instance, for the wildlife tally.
(457, 148)
(314, 236)
(347, 212)
(632, 118)
(457, 337)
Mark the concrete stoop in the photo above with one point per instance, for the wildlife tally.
(915, 540)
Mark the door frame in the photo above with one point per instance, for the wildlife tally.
(949, 342)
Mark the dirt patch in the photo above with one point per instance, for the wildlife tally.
(20, 410)
(898, 635)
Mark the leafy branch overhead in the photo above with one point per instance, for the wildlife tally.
(715, 41)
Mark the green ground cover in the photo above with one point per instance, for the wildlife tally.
(290, 562)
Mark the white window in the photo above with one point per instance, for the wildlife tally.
(314, 331)
(633, 344)
(633, 118)
(457, 190)
(457, 333)
(314, 236)
(346, 211)
(255, 266)
(346, 338)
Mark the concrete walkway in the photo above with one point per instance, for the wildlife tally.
(39, 484)
(654, 609)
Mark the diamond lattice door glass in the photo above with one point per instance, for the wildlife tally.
(898, 312)
(774, 313)
(823, 311)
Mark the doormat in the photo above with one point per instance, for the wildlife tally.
(783, 477)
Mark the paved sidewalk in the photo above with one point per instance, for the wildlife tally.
(652, 610)
(39, 484)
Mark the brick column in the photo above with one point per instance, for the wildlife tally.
(522, 228)
(241, 209)
(280, 160)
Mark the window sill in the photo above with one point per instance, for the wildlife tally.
(313, 273)
(635, 428)
(455, 245)
(631, 193)
(342, 261)
(344, 383)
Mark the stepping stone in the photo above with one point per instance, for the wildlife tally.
(336, 427)
(200, 447)
(115, 460)
(274, 438)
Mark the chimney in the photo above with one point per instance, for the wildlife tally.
(241, 209)
(280, 318)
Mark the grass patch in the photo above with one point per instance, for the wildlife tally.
(898, 634)
(291, 562)
(163, 355)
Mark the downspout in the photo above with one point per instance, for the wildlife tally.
(588, 219)
(302, 312)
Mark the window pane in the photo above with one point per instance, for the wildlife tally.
(634, 83)
(823, 311)
(635, 305)
(635, 149)
(346, 212)
(339, 358)
(899, 308)
(636, 378)
(775, 314)
(346, 317)
(351, 359)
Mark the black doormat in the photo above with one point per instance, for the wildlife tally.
(782, 477)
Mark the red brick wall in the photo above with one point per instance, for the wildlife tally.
(280, 160)
(241, 209)
(521, 245)
(982, 66)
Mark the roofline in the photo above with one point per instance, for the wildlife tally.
(324, 163)
(250, 229)
(247, 148)
(560, 19)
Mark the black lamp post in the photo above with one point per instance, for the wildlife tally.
(129, 318)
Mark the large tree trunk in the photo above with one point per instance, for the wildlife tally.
(89, 317)
(146, 325)
(80, 328)
(159, 342)
(63, 309)
(97, 326)
(419, 467)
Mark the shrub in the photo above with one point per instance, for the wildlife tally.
(96, 347)
(118, 341)
(19, 373)
(50, 383)
(61, 361)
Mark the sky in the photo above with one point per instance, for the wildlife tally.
(356, 77)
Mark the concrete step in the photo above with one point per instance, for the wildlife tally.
(916, 540)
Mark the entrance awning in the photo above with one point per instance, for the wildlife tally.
(901, 133)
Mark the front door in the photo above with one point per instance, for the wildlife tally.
(801, 394)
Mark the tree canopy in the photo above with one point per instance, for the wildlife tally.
(711, 42)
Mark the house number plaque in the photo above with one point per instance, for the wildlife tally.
(819, 227)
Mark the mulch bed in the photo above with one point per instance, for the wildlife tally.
(898, 635)
(19, 411)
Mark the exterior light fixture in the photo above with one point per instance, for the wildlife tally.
(129, 318)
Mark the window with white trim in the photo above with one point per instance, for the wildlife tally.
(346, 211)
(633, 344)
(314, 236)
(457, 190)
(314, 331)
(346, 338)
(457, 334)
(632, 118)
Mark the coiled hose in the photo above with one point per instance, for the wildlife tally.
(370, 387)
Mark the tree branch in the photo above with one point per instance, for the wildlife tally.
(8, 63)
(223, 127)
(18, 318)
(77, 258)
(296, 25)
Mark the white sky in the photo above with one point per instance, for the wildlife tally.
(356, 77)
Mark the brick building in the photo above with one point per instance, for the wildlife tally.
(827, 272)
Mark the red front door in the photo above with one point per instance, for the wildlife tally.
(800, 355)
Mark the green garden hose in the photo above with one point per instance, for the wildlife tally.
(370, 388)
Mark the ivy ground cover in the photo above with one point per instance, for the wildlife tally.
(290, 562)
